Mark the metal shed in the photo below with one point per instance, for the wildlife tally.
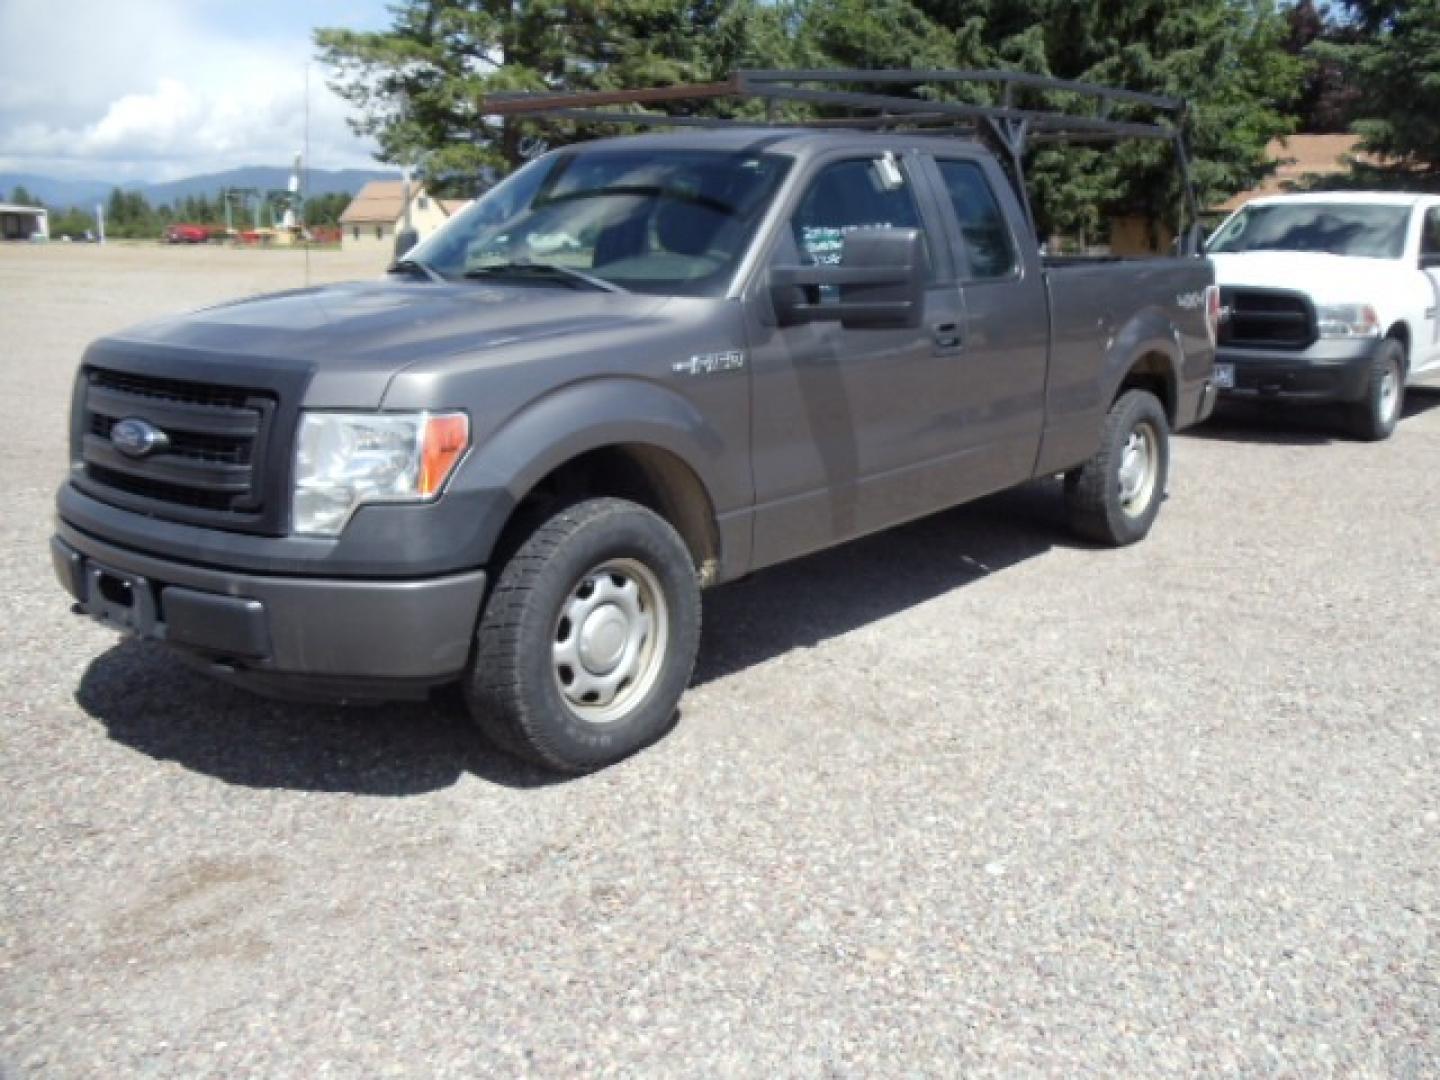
(23, 222)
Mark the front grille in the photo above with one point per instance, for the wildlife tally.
(197, 446)
(1266, 319)
(211, 468)
(176, 390)
(159, 490)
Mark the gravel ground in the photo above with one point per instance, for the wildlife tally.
(960, 798)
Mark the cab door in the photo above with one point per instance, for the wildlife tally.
(852, 429)
(1430, 264)
(1006, 332)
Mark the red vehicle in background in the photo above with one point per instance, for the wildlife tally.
(187, 234)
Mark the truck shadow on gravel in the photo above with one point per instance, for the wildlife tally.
(1290, 425)
(152, 703)
(149, 701)
(803, 603)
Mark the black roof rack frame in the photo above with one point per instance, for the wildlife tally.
(1011, 127)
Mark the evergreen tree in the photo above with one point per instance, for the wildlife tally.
(1393, 62)
(1224, 57)
(325, 209)
(1327, 100)
(73, 222)
(128, 215)
(419, 86)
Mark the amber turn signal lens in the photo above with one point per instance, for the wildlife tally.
(447, 436)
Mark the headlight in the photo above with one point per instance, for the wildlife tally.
(345, 460)
(1347, 321)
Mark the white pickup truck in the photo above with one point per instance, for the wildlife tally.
(1331, 297)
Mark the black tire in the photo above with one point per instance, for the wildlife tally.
(1095, 500)
(1374, 416)
(638, 572)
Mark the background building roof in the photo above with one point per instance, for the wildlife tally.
(1300, 156)
(378, 200)
(384, 200)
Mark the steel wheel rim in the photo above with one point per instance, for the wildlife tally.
(608, 645)
(1389, 394)
(1139, 469)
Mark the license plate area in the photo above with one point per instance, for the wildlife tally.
(123, 600)
(1224, 376)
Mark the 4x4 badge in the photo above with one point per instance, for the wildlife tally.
(710, 363)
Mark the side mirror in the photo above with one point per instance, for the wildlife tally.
(1193, 242)
(405, 239)
(880, 280)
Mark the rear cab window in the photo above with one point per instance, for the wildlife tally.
(988, 242)
(1430, 233)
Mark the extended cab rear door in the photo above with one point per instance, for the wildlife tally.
(1005, 339)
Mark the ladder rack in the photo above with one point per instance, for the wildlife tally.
(1013, 128)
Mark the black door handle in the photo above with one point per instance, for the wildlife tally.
(947, 335)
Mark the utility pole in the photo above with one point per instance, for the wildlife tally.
(405, 194)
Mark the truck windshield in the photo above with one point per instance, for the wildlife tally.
(671, 222)
(1372, 231)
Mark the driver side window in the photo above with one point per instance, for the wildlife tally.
(862, 193)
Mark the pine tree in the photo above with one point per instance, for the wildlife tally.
(419, 86)
(1394, 63)
(1224, 57)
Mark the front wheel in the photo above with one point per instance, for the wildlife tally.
(1113, 498)
(1374, 417)
(588, 638)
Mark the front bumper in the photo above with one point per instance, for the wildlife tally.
(1327, 371)
(327, 638)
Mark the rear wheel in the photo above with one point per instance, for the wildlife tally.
(1113, 498)
(588, 639)
(1374, 417)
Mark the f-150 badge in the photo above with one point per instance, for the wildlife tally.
(711, 363)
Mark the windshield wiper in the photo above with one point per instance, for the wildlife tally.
(567, 274)
(411, 265)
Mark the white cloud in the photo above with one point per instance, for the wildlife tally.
(157, 89)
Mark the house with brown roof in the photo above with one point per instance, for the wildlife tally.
(1301, 156)
(377, 213)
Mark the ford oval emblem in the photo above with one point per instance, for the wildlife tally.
(136, 438)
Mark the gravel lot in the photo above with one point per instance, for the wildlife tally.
(963, 797)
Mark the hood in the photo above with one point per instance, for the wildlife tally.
(389, 323)
(360, 334)
(1326, 279)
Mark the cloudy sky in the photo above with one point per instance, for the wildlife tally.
(121, 90)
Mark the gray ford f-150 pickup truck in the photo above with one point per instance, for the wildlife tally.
(634, 369)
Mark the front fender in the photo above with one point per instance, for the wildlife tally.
(589, 415)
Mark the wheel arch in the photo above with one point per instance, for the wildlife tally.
(644, 473)
(1400, 331)
(1155, 371)
(621, 438)
(1145, 355)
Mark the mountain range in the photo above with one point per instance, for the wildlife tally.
(60, 194)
